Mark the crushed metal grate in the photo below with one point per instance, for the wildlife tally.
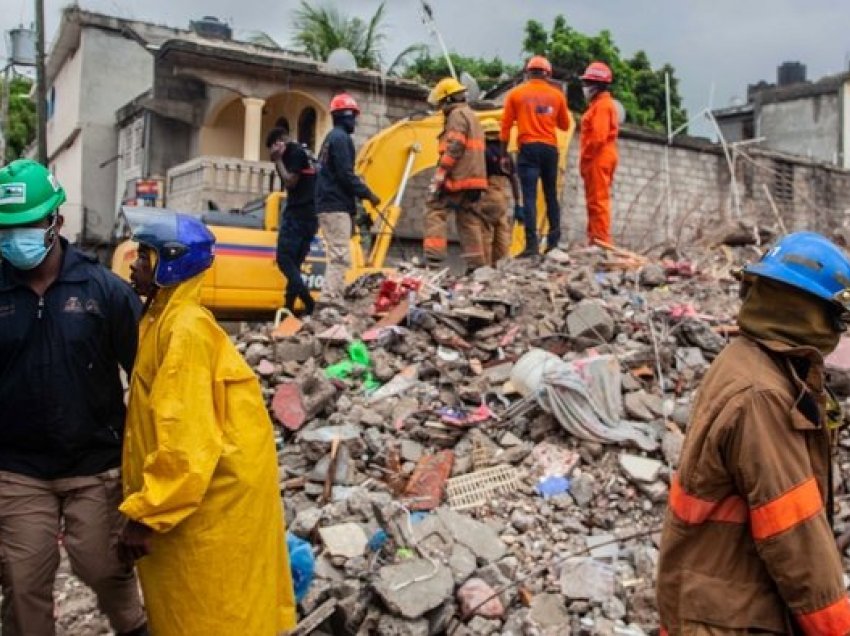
(474, 489)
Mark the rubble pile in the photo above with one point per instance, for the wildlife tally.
(491, 454)
(448, 485)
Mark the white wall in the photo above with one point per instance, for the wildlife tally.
(808, 126)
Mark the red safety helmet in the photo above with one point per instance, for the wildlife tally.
(598, 72)
(344, 101)
(539, 63)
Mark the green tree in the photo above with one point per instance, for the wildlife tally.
(488, 73)
(320, 29)
(638, 86)
(21, 130)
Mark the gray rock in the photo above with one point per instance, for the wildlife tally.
(549, 610)
(640, 469)
(440, 619)
(641, 406)
(305, 521)
(590, 320)
(390, 625)
(410, 451)
(326, 434)
(478, 537)
(581, 488)
(522, 521)
(256, 352)
(671, 446)
(699, 334)
(588, 579)
(462, 562)
(690, 358)
(652, 275)
(345, 539)
(411, 588)
(613, 608)
(482, 627)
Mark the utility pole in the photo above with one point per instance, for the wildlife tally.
(40, 88)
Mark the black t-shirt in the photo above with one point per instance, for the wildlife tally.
(493, 157)
(301, 198)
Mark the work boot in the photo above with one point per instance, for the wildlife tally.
(528, 253)
(309, 303)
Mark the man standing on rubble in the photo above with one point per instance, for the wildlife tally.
(459, 180)
(67, 327)
(539, 108)
(298, 222)
(747, 545)
(598, 155)
(337, 190)
(201, 495)
(501, 187)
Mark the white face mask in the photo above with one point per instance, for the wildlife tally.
(589, 92)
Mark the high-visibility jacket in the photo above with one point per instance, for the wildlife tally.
(747, 540)
(461, 164)
(200, 468)
(599, 128)
(538, 107)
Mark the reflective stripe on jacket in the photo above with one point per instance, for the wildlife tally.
(461, 165)
(747, 543)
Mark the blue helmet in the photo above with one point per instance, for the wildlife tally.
(183, 244)
(810, 262)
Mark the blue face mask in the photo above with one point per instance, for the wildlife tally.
(24, 247)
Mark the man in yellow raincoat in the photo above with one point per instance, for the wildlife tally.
(200, 469)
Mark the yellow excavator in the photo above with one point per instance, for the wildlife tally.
(244, 277)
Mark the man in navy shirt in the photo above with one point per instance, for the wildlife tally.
(298, 223)
(67, 326)
(337, 191)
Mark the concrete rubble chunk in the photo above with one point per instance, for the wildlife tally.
(588, 579)
(590, 320)
(390, 625)
(327, 434)
(476, 598)
(346, 540)
(640, 469)
(480, 538)
(549, 610)
(411, 588)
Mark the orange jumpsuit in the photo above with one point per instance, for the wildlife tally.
(597, 162)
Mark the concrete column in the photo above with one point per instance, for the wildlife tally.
(253, 125)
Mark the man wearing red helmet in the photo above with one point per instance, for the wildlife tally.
(337, 191)
(598, 155)
(538, 108)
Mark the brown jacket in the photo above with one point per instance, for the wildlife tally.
(747, 542)
(461, 165)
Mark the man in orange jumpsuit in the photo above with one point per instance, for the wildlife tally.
(598, 157)
(539, 108)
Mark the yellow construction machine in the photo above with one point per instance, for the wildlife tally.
(244, 277)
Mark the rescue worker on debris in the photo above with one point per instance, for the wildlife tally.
(598, 155)
(337, 191)
(494, 203)
(539, 108)
(747, 545)
(200, 468)
(67, 327)
(459, 180)
(298, 222)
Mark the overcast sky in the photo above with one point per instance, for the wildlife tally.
(722, 43)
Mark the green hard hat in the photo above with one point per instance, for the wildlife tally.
(28, 193)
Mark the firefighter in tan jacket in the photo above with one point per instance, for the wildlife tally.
(459, 180)
(748, 545)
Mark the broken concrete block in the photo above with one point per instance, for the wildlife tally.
(652, 275)
(549, 610)
(413, 587)
(478, 537)
(462, 562)
(582, 487)
(346, 539)
(390, 625)
(590, 320)
(640, 469)
(588, 579)
(476, 598)
(638, 406)
(305, 521)
(327, 434)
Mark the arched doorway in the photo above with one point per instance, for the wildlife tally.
(307, 127)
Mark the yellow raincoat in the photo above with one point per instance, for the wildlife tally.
(200, 469)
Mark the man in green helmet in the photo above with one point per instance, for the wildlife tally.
(67, 327)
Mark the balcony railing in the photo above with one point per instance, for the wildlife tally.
(222, 183)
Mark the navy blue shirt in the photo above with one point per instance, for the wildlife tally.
(300, 199)
(337, 187)
(61, 398)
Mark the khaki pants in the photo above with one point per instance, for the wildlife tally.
(495, 226)
(31, 511)
(469, 229)
(336, 230)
